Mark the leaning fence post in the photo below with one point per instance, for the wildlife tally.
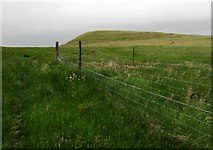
(79, 54)
(56, 50)
(133, 55)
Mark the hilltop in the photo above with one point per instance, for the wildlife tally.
(131, 38)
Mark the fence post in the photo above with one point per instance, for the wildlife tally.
(79, 54)
(133, 55)
(56, 50)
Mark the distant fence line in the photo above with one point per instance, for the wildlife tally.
(179, 116)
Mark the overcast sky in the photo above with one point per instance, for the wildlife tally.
(42, 23)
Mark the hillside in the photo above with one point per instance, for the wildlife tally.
(130, 38)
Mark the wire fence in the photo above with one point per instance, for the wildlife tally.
(166, 108)
(176, 84)
(174, 116)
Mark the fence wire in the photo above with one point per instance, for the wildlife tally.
(175, 116)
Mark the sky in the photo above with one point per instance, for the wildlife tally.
(41, 23)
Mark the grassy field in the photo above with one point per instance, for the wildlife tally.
(47, 104)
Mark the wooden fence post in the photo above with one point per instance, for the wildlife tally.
(56, 50)
(79, 54)
(133, 55)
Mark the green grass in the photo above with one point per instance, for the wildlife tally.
(130, 38)
(49, 105)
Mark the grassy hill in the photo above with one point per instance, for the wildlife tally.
(130, 38)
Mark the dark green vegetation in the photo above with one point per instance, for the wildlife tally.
(46, 104)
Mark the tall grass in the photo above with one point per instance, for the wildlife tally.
(181, 74)
(49, 105)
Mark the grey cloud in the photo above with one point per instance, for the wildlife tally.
(40, 24)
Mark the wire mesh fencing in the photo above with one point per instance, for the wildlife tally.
(175, 117)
